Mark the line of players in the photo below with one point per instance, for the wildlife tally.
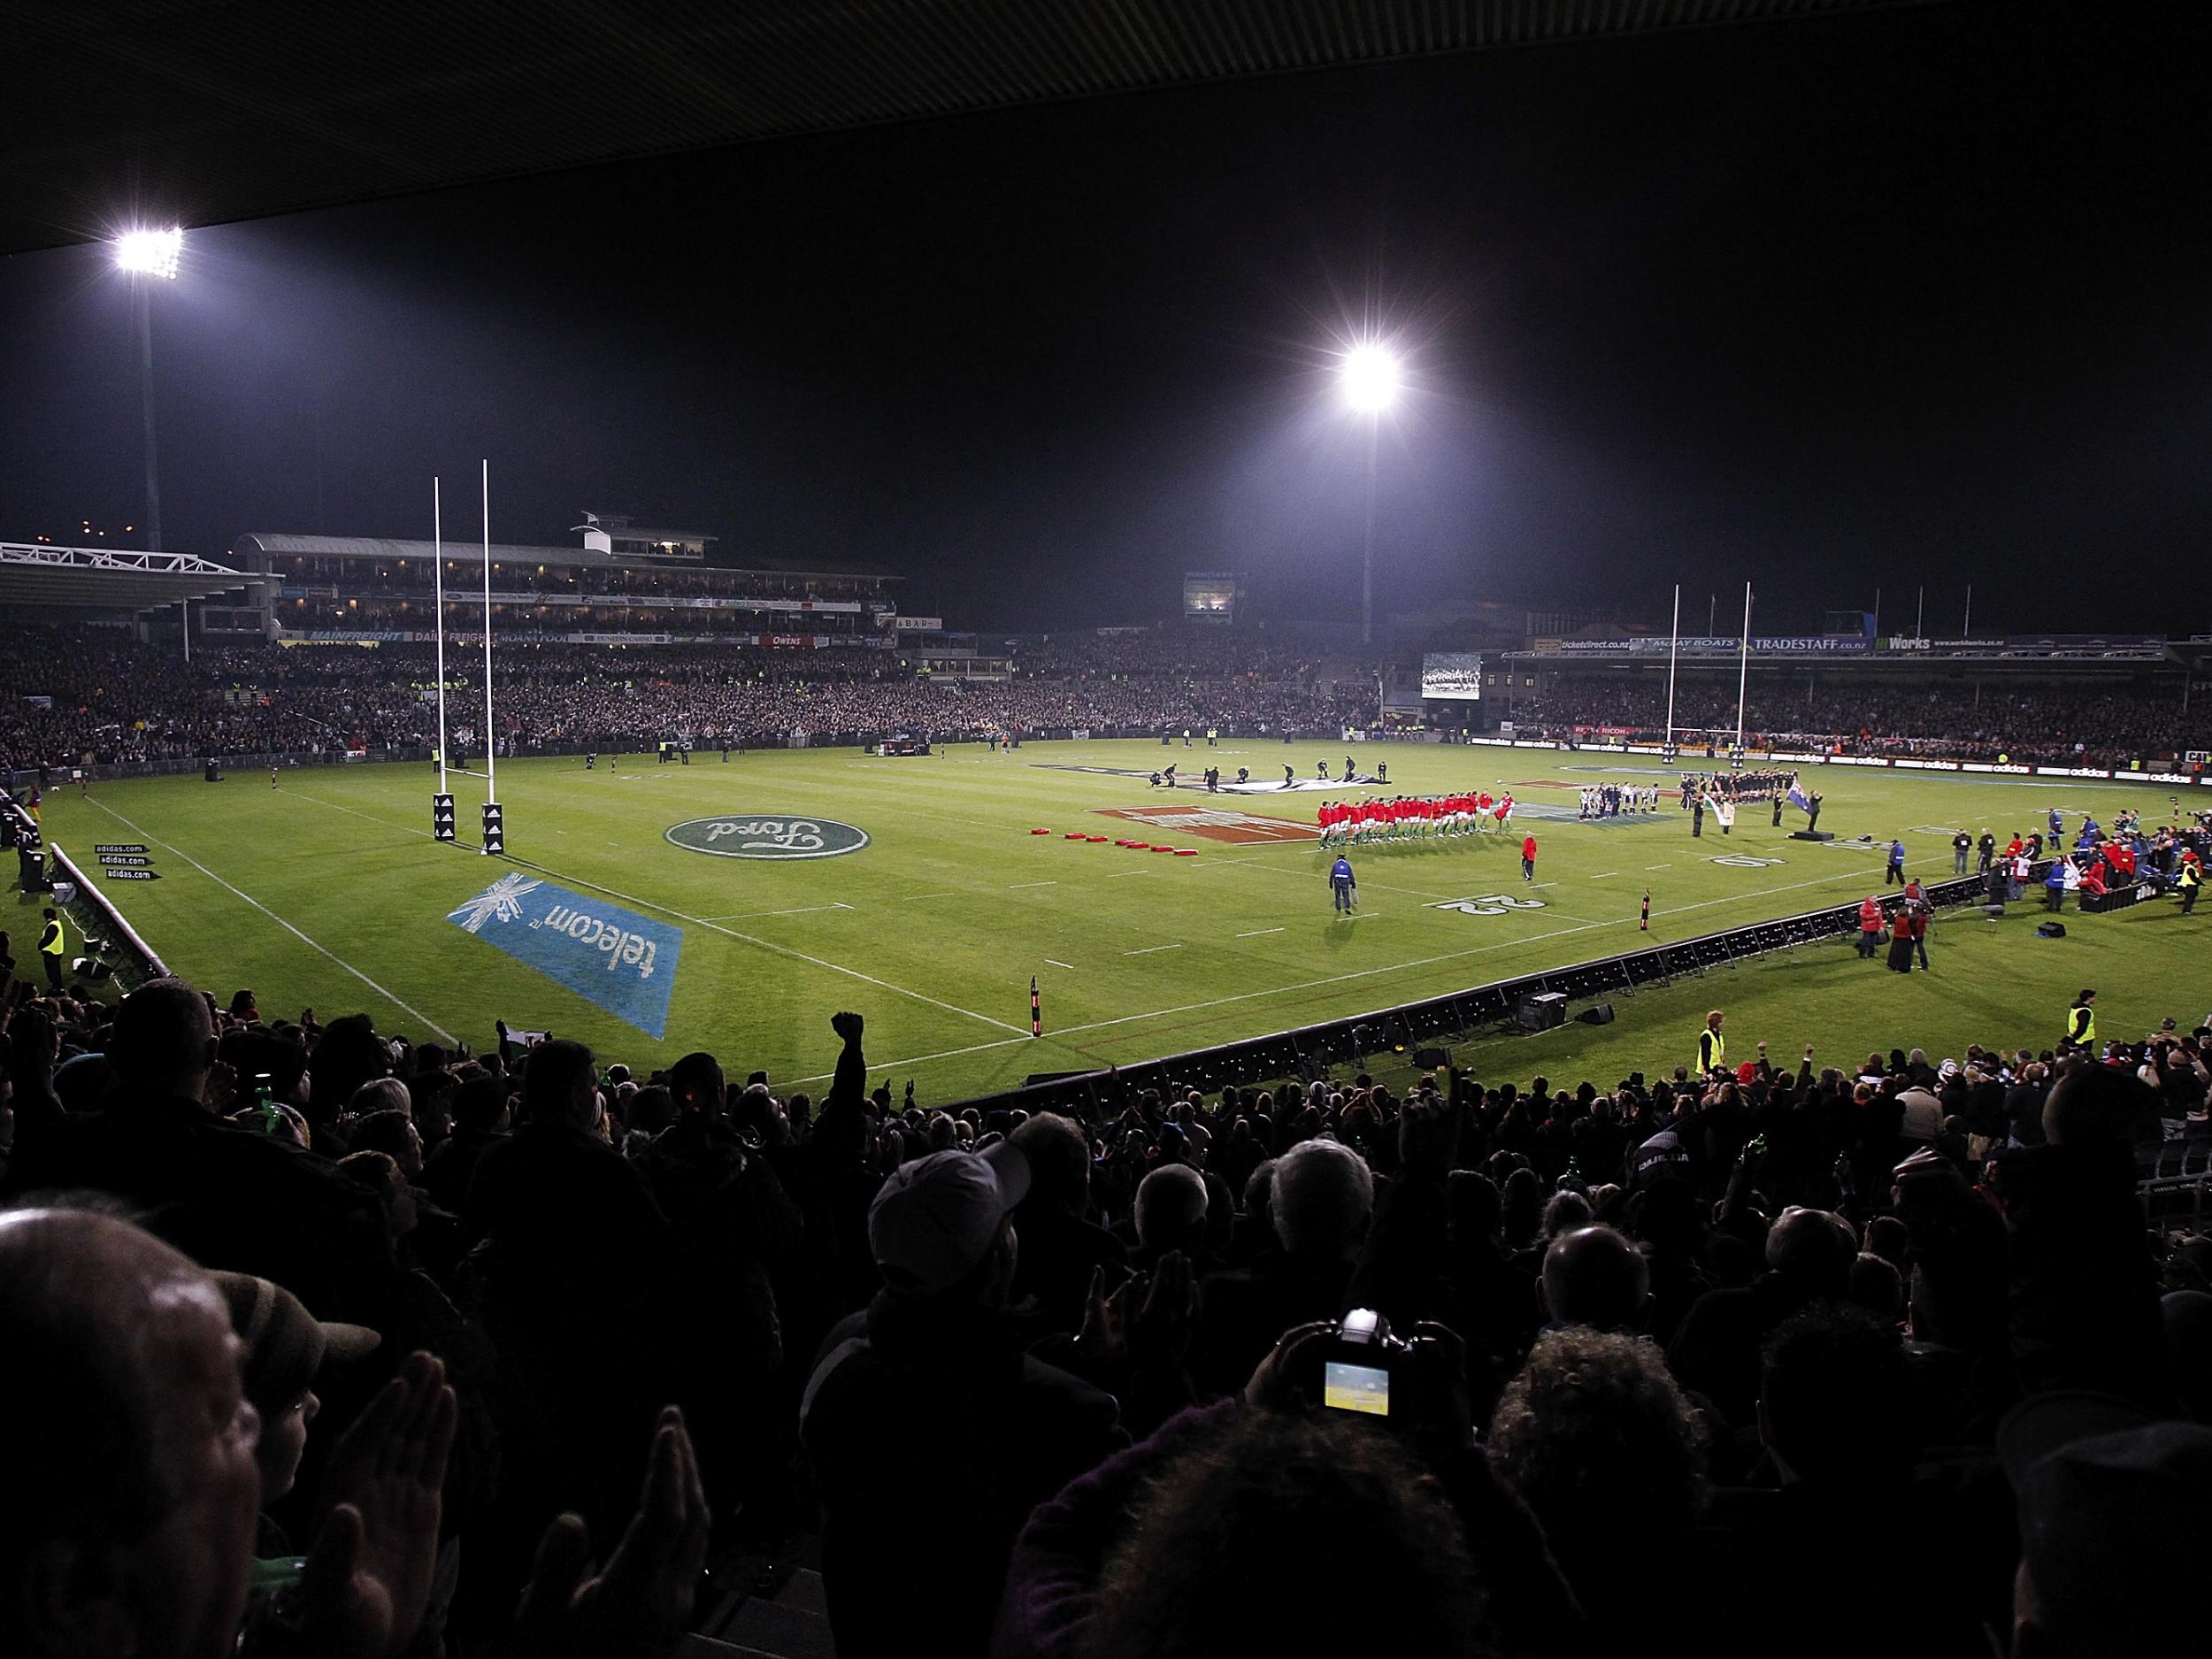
(1610, 800)
(1412, 818)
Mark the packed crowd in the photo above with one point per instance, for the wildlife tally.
(408, 620)
(341, 1343)
(2100, 726)
(65, 695)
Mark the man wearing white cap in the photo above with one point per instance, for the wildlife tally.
(925, 1419)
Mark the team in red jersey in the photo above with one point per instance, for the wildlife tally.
(1409, 818)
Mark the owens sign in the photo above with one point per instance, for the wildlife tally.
(763, 835)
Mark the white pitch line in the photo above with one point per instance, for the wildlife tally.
(805, 910)
(1019, 886)
(780, 951)
(1162, 1013)
(1050, 963)
(248, 899)
(1603, 873)
(1256, 932)
(947, 894)
(1119, 874)
(1300, 875)
(1150, 950)
(371, 818)
(1338, 979)
(701, 921)
(1658, 866)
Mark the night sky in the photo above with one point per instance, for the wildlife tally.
(1915, 297)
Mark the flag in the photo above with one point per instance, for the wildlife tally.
(1797, 798)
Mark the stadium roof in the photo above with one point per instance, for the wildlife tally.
(208, 110)
(33, 574)
(462, 547)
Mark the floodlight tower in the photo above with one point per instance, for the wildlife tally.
(148, 257)
(1369, 376)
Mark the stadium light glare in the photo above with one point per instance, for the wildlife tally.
(151, 253)
(1369, 377)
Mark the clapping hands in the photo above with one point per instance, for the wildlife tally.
(642, 1596)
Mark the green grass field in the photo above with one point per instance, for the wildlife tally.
(328, 892)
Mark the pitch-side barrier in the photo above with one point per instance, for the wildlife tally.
(1415, 1028)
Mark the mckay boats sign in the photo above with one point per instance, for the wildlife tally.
(614, 958)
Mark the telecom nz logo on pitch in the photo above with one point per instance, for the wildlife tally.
(614, 958)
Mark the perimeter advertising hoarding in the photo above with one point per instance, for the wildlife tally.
(1714, 645)
(1452, 676)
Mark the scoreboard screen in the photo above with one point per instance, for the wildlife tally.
(1454, 676)
(1211, 594)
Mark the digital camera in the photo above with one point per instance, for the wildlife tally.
(1359, 1364)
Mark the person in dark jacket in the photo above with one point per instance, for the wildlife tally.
(1061, 1245)
(1716, 1351)
(228, 1196)
(1005, 1430)
(569, 1275)
(480, 1122)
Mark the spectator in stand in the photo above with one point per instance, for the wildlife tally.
(567, 1279)
(2103, 1495)
(1716, 1352)
(1593, 1430)
(481, 1121)
(1062, 1249)
(229, 1197)
(1322, 1203)
(129, 1521)
(1595, 1277)
(1170, 1216)
(937, 1345)
(1996, 1196)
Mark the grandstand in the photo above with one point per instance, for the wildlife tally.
(643, 587)
(2112, 700)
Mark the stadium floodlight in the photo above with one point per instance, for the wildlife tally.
(150, 253)
(1370, 375)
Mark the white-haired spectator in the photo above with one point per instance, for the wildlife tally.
(1171, 1214)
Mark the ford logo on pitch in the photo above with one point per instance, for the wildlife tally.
(613, 958)
(767, 835)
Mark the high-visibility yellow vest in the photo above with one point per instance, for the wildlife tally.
(1712, 1048)
(53, 941)
(2081, 1025)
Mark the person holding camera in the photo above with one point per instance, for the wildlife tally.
(1197, 1540)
